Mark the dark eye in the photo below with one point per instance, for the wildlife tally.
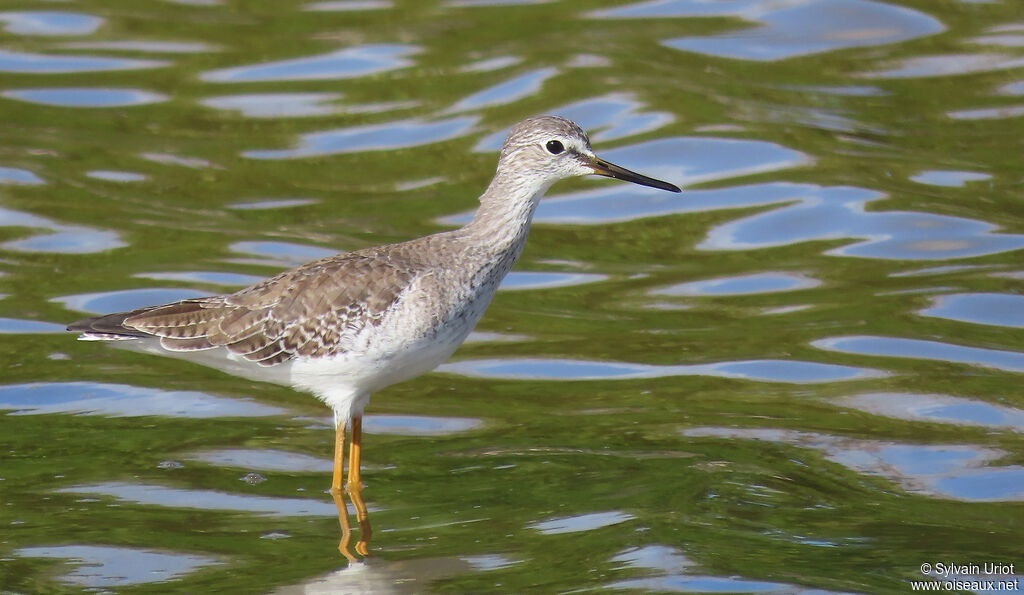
(555, 147)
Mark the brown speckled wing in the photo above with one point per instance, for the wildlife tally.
(309, 311)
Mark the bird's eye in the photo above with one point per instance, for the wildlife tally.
(555, 147)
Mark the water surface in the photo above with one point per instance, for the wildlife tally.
(801, 375)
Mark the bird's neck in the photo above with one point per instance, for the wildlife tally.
(502, 223)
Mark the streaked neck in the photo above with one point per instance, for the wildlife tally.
(502, 222)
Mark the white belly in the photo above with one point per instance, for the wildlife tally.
(345, 381)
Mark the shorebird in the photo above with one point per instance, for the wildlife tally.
(348, 325)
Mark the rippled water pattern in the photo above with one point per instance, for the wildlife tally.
(802, 375)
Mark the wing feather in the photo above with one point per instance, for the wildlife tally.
(314, 310)
(193, 344)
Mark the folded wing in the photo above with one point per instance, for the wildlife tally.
(314, 310)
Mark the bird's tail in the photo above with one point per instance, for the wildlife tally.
(109, 327)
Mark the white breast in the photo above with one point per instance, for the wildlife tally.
(418, 335)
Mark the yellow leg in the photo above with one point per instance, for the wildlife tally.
(339, 494)
(354, 452)
(339, 456)
(354, 488)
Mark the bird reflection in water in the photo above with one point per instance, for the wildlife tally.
(355, 493)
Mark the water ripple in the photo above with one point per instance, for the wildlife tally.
(514, 89)
(526, 280)
(347, 5)
(21, 62)
(609, 117)
(65, 239)
(655, 557)
(116, 176)
(614, 116)
(485, 562)
(767, 282)
(946, 65)
(1016, 88)
(19, 177)
(950, 471)
(119, 400)
(85, 97)
(277, 105)
(211, 277)
(146, 46)
(839, 212)
(711, 584)
(937, 408)
(280, 203)
(1008, 361)
(15, 326)
(418, 425)
(375, 137)
(172, 159)
(351, 62)
(156, 495)
(98, 566)
(790, 371)
(997, 309)
(677, 573)
(987, 113)
(285, 254)
(691, 160)
(49, 23)
(264, 460)
(788, 29)
(124, 300)
(475, 3)
(69, 240)
(582, 522)
(298, 105)
(491, 64)
(949, 178)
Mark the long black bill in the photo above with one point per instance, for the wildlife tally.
(610, 170)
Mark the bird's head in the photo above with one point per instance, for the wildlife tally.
(552, 148)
